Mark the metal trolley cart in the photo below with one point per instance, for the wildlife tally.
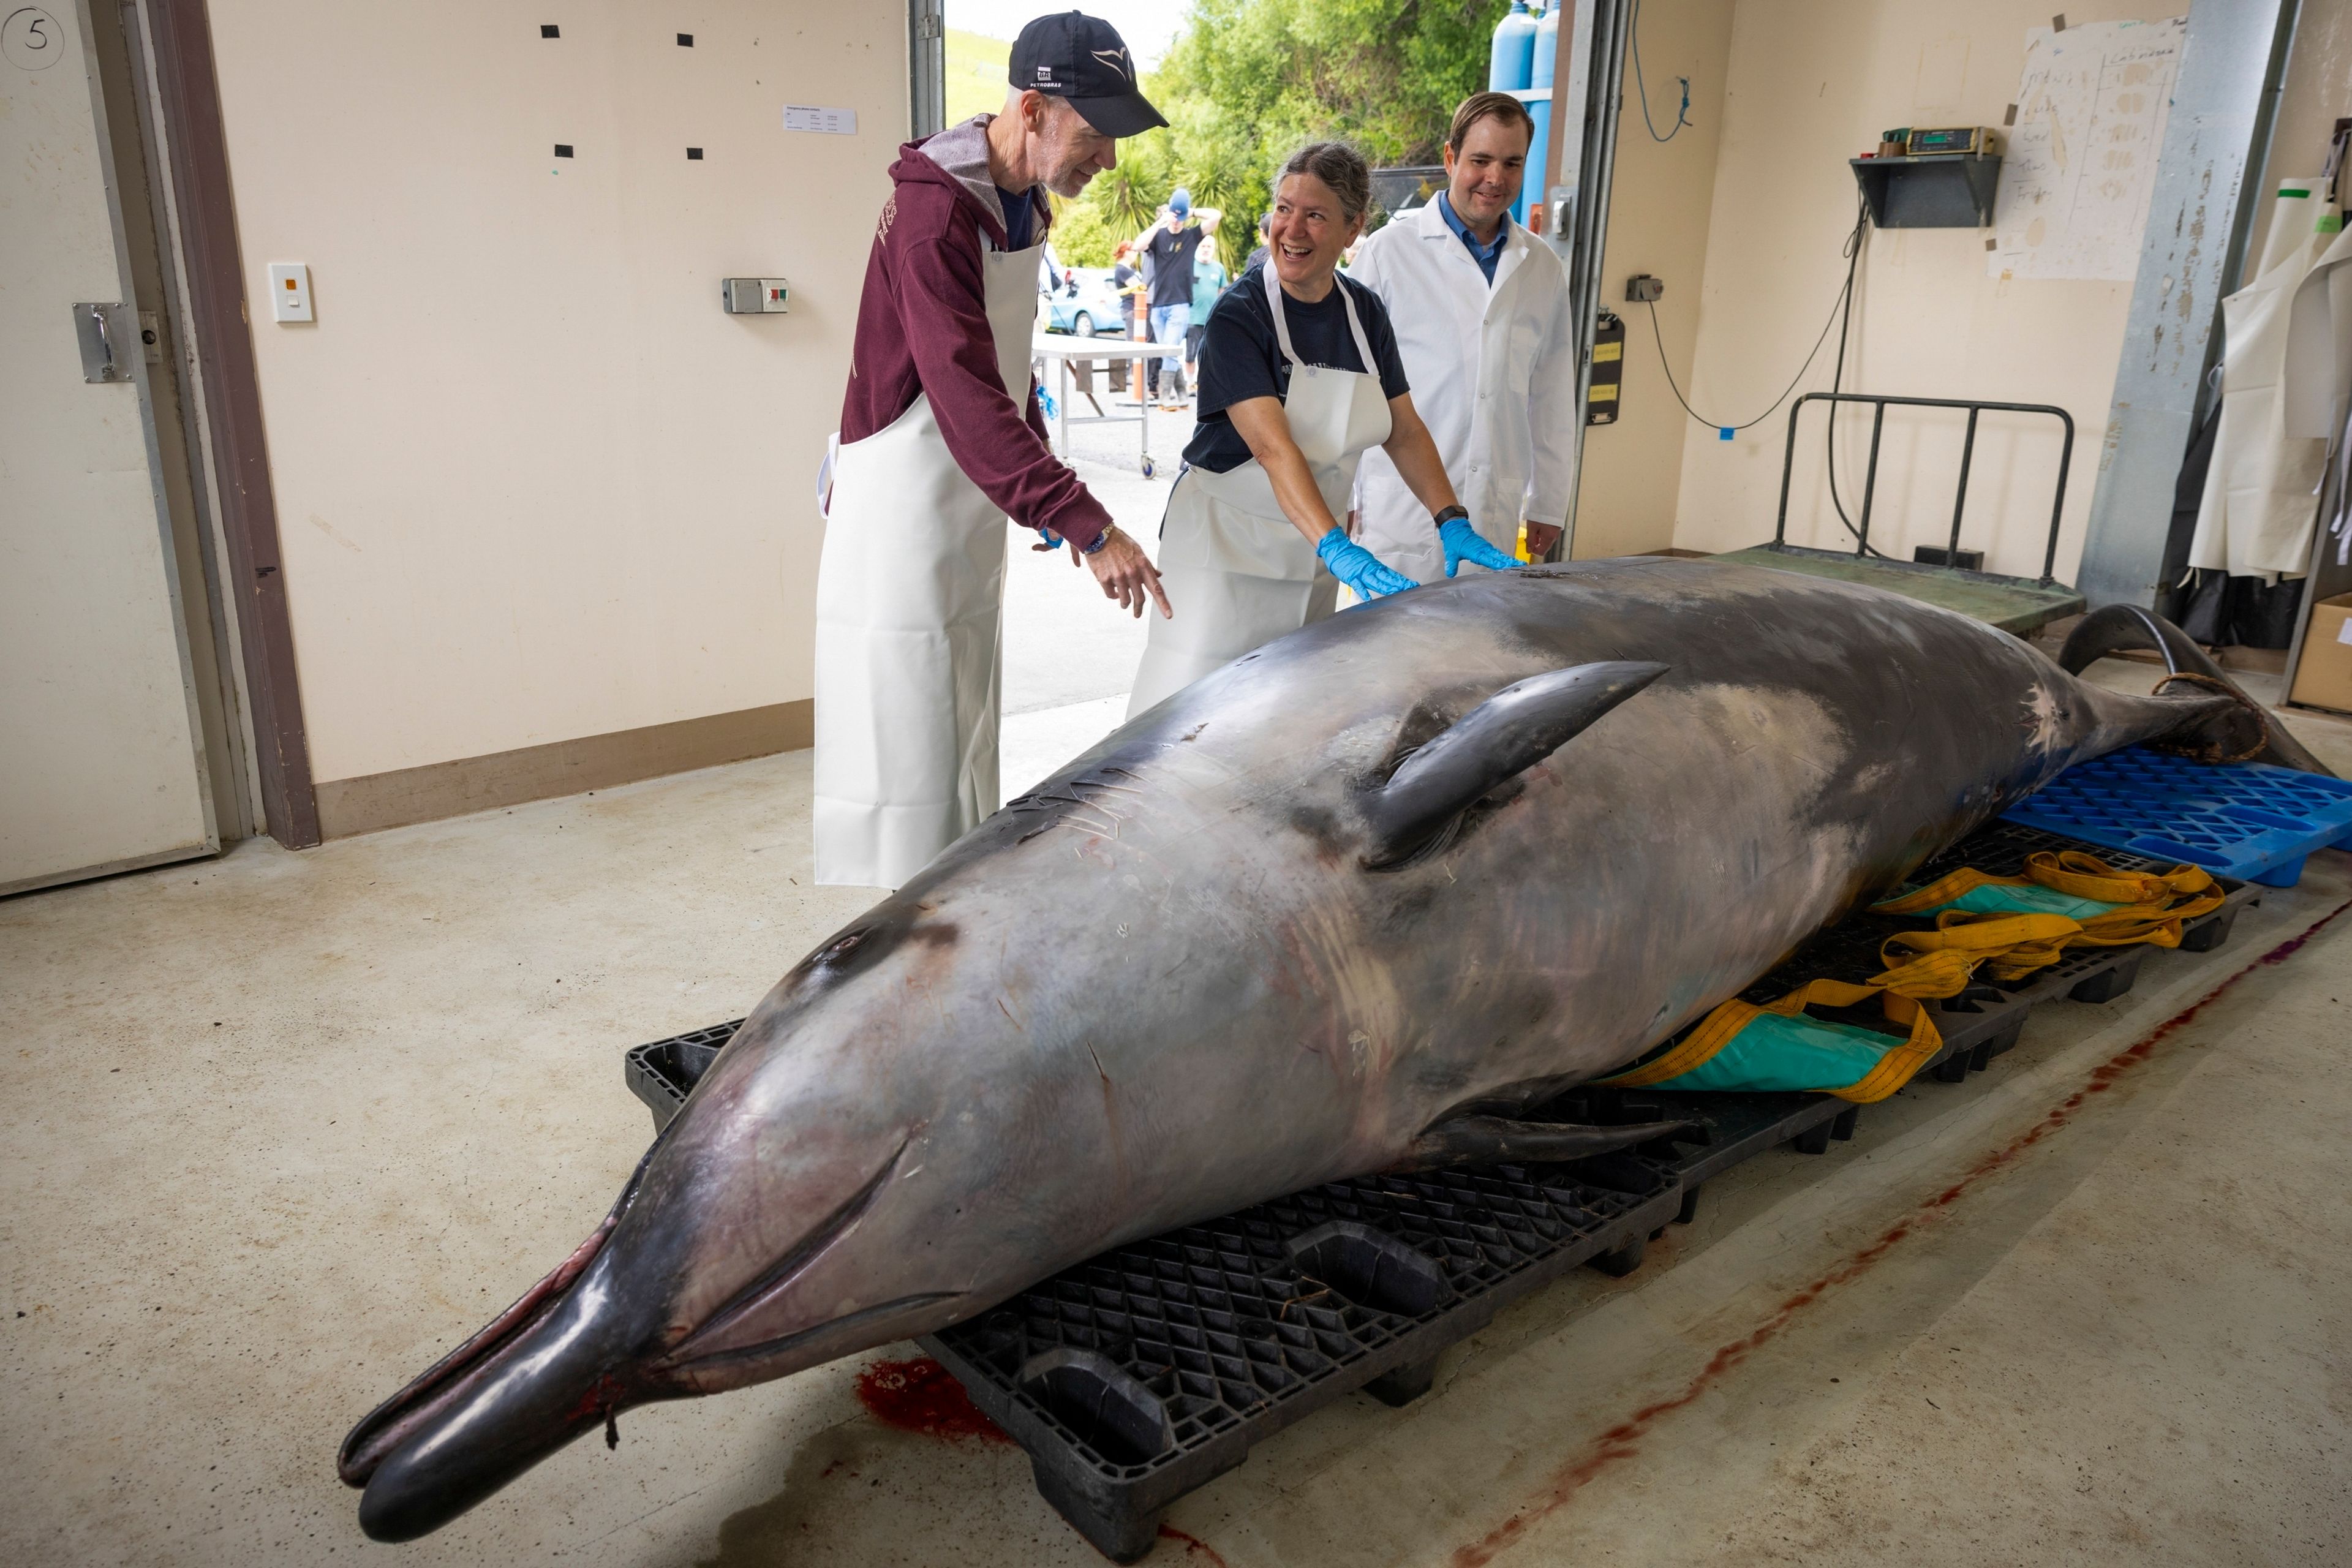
(1060, 350)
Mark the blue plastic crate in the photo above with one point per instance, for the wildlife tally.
(2247, 820)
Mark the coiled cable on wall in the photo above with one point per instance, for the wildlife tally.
(1682, 115)
(1841, 316)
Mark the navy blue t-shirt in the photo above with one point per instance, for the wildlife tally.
(1241, 358)
(1020, 217)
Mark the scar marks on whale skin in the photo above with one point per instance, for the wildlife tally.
(1098, 803)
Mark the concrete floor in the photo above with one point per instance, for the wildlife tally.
(1063, 643)
(288, 1126)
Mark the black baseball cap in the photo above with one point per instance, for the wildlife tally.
(1082, 58)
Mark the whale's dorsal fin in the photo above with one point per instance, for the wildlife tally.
(1502, 736)
(1492, 1141)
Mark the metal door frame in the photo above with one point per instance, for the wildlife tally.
(2200, 213)
(927, 68)
(144, 216)
(1592, 71)
(170, 44)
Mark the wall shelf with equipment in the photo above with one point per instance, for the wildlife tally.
(1947, 191)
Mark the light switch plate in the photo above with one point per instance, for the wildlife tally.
(290, 291)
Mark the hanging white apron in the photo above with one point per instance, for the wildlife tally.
(1237, 572)
(2319, 378)
(909, 612)
(2261, 494)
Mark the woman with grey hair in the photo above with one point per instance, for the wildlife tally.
(1300, 376)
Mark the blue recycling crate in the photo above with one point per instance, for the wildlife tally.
(2247, 820)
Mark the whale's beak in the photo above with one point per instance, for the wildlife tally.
(674, 1295)
(554, 1364)
(560, 1363)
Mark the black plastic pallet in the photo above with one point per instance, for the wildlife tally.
(1145, 1372)
(663, 1073)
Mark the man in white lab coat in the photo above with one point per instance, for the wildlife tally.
(1482, 320)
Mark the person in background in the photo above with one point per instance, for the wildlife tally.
(1171, 246)
(1126, 280)
(940, 439)
(1208, 283)
(1300, 377)
(1257, 257)
(1483, 323)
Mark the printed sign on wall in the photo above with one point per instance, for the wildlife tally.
(2079, 167)
(827, 121)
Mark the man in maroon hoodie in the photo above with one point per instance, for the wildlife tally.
(942, 438)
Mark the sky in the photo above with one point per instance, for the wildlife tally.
(1147, 25)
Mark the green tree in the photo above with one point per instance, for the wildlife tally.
(1081, 238)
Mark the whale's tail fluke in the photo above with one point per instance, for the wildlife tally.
(2243, 731)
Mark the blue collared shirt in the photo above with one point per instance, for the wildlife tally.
(1485, 255)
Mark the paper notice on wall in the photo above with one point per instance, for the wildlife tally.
(2080, 164)
(829, 122)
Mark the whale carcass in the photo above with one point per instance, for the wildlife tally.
(1345, 905)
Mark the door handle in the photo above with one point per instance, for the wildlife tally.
(94, 329)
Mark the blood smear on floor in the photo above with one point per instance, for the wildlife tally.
(921, 1395)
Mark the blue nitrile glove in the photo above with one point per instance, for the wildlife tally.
(1463, 543)
(1358, 567)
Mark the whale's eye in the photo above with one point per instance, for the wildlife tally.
(840, 948)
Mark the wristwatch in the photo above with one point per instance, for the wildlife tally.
(1449, 514)
(1104, 538)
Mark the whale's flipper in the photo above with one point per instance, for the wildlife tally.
(2114, 628)
(1492, 1141)
(1510, 731)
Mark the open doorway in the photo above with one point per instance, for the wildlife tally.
(1242, 83)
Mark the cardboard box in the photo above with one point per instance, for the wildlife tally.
(2324, 679)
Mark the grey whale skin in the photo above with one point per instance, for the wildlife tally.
(1224, 955)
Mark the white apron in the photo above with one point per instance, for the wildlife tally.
(2319, 375)
(2262, 493)
(909, 613)
(1237, 572)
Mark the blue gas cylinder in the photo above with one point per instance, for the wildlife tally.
(1545, 51)
(1513, 56)
(1531, 189)
(1546, 48)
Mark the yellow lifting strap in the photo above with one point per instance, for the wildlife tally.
(1934, 965)
(2151, 910)
(2068, 871)
(1715, 1031)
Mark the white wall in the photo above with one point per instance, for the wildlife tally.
(1812, 84)
(1661, 199)
(532, 484)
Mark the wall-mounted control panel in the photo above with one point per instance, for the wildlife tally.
(290, 291)
(755, 296)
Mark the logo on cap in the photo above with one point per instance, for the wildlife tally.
(1115, 60)
(1045, 73)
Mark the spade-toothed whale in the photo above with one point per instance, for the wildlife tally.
(1348, 904)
